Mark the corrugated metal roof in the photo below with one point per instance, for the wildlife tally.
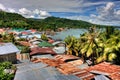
(101, 77)
(43, 56)
(32, 71)
(115, 76)
(64, 77)
(65, 58)
(45, 50)
(104, 68)
(8, 48)
(40, 71)
(83, 66)
(59, 50)
(57, 42)
(50, 62)
(45, 44)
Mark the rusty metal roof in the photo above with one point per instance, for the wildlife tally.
(76, 62)
(67, 68)
(38, 50)
(71, 68)
(65, 58)
(104, 68)
(50, 62)
(40, 71)
(115, 76)
(108, 69)
(24, 43)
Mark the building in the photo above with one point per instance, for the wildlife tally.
(8, 52)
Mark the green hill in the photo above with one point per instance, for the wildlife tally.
(10, 16)
(15, 20)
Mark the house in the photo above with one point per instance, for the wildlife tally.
(60, 47)
(41, 51)
(8, 52)
(35, 41)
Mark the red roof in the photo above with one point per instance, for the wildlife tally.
(51, 41)
(33, 30)
(38, 50)
(24, 33)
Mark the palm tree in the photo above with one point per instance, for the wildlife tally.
(95, 46)
(111, 49)
(89, 44)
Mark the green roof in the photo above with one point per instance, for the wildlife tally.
(45, 44)
(18, 29)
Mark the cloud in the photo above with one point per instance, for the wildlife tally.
(2, 7)
(84, 18)
(24, 11)
(40, 14)
(11, 10)
(108, 13)
(52, 5)
(44, 13)
(34, 14)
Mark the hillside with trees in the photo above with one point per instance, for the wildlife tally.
(15, 20)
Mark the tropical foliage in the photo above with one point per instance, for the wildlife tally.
(44, 37)
(96, 45)
(73, 45)
(7, 37)
(6, 75)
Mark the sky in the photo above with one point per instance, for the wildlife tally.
(105, 12)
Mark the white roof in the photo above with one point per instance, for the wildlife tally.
(57, 42)
(8, 48)
(59, 49)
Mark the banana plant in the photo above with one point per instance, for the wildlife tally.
(72, 45)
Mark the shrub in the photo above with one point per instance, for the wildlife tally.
(3, 74)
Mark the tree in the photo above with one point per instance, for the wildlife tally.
(89, 46)
(111, 50)
(73, 45)
(44, 37)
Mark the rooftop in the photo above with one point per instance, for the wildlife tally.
(40, 71)
(8, 48)
(62, 70)
(38, 50)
